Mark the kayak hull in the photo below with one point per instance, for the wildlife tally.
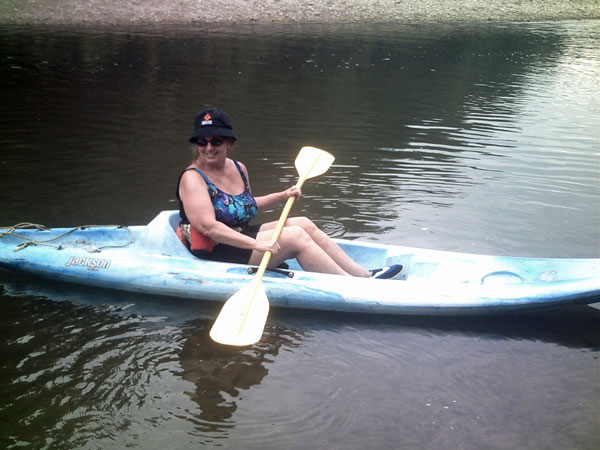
(151, 259)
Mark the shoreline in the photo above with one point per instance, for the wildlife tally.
(159, 12)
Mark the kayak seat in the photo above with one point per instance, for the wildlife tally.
(160, 235)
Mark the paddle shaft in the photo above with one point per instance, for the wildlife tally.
(276, 233)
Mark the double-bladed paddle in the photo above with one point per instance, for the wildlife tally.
(242, 318)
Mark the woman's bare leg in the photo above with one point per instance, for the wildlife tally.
(330, 247)
(296, 243)
(316, 237)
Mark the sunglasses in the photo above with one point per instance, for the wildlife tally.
(215, 142)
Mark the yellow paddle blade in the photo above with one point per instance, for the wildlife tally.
(242, 318)
(312, 161)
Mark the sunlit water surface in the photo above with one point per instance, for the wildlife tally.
(469, 138)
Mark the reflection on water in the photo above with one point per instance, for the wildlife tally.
(478, 137)
(220, 373)
(105, 372)
(553, 326)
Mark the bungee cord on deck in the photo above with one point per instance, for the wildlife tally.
(10, 231)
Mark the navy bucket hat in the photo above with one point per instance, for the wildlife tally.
(212, 122)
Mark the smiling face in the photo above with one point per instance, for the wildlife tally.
(210, 149)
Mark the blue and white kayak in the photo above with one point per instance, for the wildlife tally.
(151, 259)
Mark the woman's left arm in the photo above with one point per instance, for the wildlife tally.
(270, 199)
(265, 201)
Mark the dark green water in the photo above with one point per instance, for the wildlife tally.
(479, 138)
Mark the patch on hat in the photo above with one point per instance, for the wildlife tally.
(207, 119)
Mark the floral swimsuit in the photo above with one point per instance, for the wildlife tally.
(235, 211)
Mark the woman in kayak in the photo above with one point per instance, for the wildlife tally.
(216, 206)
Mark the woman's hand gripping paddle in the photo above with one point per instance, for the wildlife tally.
(242, 318)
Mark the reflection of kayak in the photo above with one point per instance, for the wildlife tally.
(151, 259)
